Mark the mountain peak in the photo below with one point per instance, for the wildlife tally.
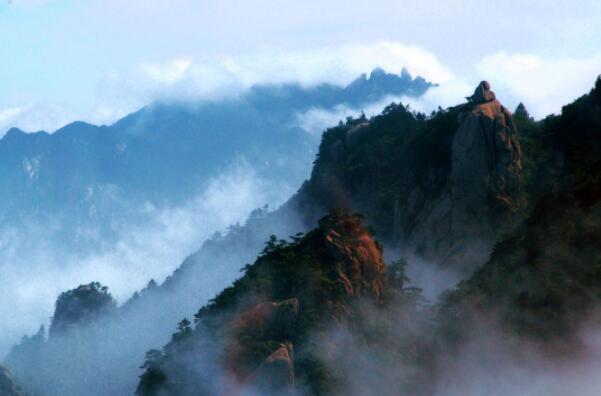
(482, 94)
(405, 75)
(377, 72)
(13, 133)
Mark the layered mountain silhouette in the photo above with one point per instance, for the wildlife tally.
(166, 152)
(508, 203)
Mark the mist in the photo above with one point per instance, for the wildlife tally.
(35, 270)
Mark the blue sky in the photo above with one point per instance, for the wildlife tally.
(99, 59)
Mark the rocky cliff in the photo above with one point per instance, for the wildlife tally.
(459, 227)
(542, 281)
(439, 187)
(275, 331)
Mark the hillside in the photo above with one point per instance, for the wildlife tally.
(165, 152)
(523, 312)
(131, 200)
(543, 279)
(374, 166)
(289, 322)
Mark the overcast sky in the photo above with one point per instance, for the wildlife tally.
(96, 60)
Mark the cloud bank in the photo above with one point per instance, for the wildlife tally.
(34, 271)
(544, 84)
(190, 78)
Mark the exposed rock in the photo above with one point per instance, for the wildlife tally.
(357, 257)
(265, 322)
(459, 228)
(270, 318)
(344, 252)
(275, 376)
(482, 94)
(8, 387)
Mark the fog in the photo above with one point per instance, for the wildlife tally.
(35, 269)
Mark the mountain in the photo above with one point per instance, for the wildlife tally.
(131, 200)
(368, 165)
(100, 177)
(164, 153)
(542, 281)
(321, 313)
(290, 320)
(440, 187)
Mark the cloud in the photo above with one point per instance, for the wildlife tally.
(33, 118)
(34, 270)
(544, 84)
(192, 78)
(335, 64)
(452, 92)
(316, 120)
(449, 93)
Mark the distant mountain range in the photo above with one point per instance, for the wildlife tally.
(136, 197)
(322, 312)
(165, 152)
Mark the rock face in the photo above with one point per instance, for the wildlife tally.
(357, 256)
(8, 387)
(275, 376)
(266, 321)
(289, 299)
(483, 189)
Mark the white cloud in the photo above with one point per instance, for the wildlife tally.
(167, 73)
(34, 270)
(120, 92)
(36, 117)
(316, 120)
(544, 84)
(194, 78)
(449, 93)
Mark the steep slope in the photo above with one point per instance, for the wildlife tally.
(482, 192)
(543, 281)
(285, 325)
(165, 152)
(87, 196)
(523, 311)
(374, 166)
(438, 187)
(75, 357)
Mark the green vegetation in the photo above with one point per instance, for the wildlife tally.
(381, 160)
(545, 278)
(304, 270)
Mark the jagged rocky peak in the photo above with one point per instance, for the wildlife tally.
(357, 256)
(259, 328)
(486, 147)
(483, 188)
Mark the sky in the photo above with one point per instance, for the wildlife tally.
(97, 60)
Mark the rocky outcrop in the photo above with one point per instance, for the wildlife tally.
(290, 298)
(264, 323)
(356, 256)
(483, 190)
(8, 387)
(269, 318)
(275, 376)
(81, 307)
